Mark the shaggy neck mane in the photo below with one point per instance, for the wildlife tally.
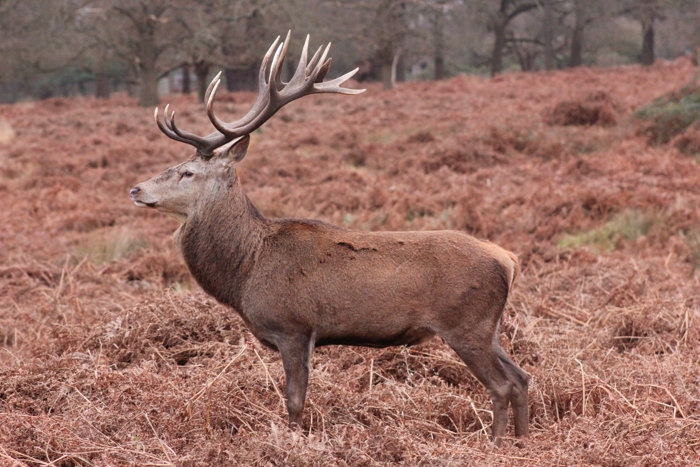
(225, 235)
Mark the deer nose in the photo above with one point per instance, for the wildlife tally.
(134, 191)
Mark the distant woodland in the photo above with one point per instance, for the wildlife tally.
(153, 47)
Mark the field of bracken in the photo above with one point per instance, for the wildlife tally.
(110, 354)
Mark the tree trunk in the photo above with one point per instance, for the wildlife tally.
(241, 80)
(499, 29)
(439, 67)
(385, 72)
(102, 89)
(526, 58)
(401, 69)
(439, 45)
(575, 57)
(547, 33)
(580, 22)
(186, 82)
(201, 69)
(394, 66)
(148, 93)
(648, 43)
(499, 22)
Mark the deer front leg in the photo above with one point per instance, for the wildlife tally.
(296, 356)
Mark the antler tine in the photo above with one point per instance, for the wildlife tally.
(230, 131)
(315, 71)
(218, 124)
(210, 99)
(334, 85)
(274, 68)
(312, 63)
(195, 140)
(323, 71)
(211, 86)
(322, 68)
(170, 133)
(278, 70)
(300, 73)
(325, 53)
(165, 117)
(263, 66)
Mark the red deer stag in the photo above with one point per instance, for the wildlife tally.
(300, 284)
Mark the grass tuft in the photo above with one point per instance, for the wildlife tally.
(107, 245)
(692, 242)
(628, 225)
(671, 114)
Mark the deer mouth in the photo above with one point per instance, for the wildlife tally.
(141, 204)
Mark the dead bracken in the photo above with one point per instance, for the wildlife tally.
(112, 356)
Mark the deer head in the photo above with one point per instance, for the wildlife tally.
(180, 191)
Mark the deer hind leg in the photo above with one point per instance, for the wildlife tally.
(296, 357)
(518, 396)
(485, 364)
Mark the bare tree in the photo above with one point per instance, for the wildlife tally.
(142, 34)
(499, 19)
(64, 43)
(228, 34)
(153, 30)
(203, 21)
(29, 47)
(389, 30)
(247, 34)
(91, 23)
(382, 35)
(547, 33)
(646, 12)
(581, 20)
(533, 30)
(437, 11)
(585, 13)
(247, 31)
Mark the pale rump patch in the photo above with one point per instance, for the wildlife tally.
(508, 259)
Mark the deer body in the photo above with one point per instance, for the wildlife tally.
(300, 284)
(344, 287)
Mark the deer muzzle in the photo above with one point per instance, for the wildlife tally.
(136, 193)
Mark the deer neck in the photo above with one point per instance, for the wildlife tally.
(221, 244)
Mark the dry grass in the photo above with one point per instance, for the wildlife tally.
(111, 356)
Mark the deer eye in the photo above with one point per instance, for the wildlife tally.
(187, 174)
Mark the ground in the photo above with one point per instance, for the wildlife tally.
(110, 354)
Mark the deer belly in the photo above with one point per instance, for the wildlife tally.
(374, 319)
(372, 337)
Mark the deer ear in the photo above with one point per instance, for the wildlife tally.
(236, 150)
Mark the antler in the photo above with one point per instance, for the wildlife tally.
(273, 94)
